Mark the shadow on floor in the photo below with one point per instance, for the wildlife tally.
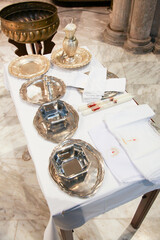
(128, 233)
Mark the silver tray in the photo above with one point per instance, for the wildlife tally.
(48, 89)
(77, 168)
(56, 121)
(29, 66)
(81, 58)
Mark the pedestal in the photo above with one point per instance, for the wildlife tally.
(116, 31)
(139, 40)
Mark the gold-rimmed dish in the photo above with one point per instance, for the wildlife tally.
(29, 66)
(80, 59)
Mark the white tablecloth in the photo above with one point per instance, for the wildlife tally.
(66, 211)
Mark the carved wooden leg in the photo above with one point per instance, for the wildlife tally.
(48, 45)
(143, 208)
(21, 48)
(38, 47)
(33, 48)
(66, 235)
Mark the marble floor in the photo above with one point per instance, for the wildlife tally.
(23, 210)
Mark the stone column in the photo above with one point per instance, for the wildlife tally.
(139, 40)
(116, 31)
(157, 43)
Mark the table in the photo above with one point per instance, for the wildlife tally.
(69, 212)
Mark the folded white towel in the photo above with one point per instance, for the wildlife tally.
(115, 84)
(33, 91)
(114, 155)
(141, 142)
(96, 84)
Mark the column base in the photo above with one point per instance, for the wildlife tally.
(116, 38)
(138, 46)
(157, 47)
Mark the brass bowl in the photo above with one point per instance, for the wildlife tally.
(28, 22)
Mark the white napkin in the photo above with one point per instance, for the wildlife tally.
(114, 155)
(96, 84)
(33, 91)
(141, 142)
(115, 84)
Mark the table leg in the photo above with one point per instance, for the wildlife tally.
(67, 235)
(143, 208)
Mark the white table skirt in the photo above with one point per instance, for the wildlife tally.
(69, 212)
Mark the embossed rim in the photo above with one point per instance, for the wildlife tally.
(29, 76)
(56, 54)
(24, 86)
(37, 122)
(101, 171)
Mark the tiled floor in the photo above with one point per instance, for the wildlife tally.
(23, 210)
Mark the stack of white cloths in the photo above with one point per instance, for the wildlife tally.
(97, 84)
(95, 87)
(138, 139)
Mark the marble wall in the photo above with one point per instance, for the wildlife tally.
(23, 210)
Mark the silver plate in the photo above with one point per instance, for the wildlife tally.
(29, 66)
(56, 121)
(74, 178)
(50, 88)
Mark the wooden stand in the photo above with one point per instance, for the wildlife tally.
(36, 47)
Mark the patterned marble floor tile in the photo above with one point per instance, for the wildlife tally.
(108, 229)
(98, 18)
(149, 230)
(11, 138)
(105, 52)
(129, 57)
(142, 72)
(30, 230)
(20, 195)
(6, 104)
(8, 230)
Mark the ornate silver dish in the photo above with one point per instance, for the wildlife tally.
(80, 59)
(28, 22)
(77, 168)
(42, 90)
(56, 121)
(29, 66)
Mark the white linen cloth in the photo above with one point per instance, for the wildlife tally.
(141, 142)
(95, 84)
(69, 212)
(115, 84)
(33, 91)
(114, 155)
